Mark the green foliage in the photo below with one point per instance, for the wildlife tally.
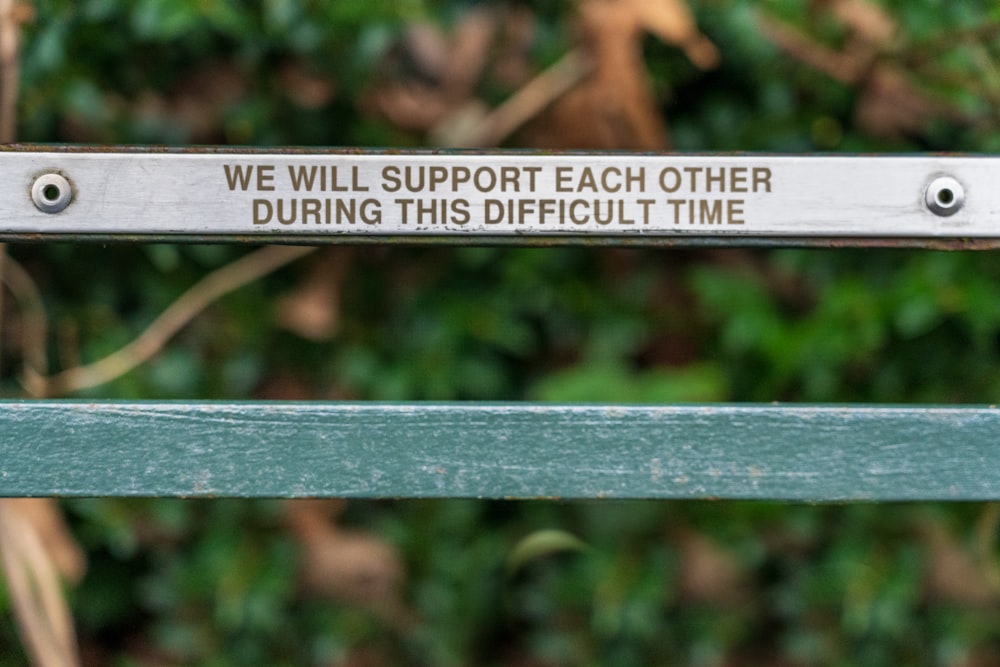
(214, 582)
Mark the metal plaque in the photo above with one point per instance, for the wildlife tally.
(311, 196)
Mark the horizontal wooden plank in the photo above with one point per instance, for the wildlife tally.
(827, 453)
(523, 198)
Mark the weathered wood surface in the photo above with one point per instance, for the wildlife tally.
(832, 453)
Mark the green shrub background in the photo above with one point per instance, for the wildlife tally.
(214, 582)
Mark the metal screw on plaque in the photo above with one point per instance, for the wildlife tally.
(944, 196)
(51, 193)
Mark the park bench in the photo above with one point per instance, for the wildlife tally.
(289, 449)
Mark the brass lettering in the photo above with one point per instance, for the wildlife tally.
(493, 211)
(675, 180)
(371, 212)
(311, 207)
(635, 179)
(459, 176)
(460, 214)
(262, 211)
(734, 210)
(611, 186)
(719, 179)
(547, 208)
(710, 212)
(602, 220)
(645, 204)
(587, 181)
(563, 177)
(737, 179)
(301, 178)
(693, 173)
(355, 180)
(265, 178)
(761, 178)
(404, 209)
(707, 211)
(478, 183)
(439, 178)
(238, 175)
(700, 195)
(609, 179)
(510, 177)
(286, 214)
(676, 203)
(390, 178)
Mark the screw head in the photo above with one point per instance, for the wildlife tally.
(51, 193)
(944, 196)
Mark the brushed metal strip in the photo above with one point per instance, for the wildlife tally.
(304, 196)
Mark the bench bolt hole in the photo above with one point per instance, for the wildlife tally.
(51, 193)
(944, 196)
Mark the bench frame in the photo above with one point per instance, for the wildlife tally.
(789, 452)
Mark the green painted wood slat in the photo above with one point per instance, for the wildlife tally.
(790, 452)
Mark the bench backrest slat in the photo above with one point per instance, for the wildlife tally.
(499, 451)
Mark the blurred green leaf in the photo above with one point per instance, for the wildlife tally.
(540, 544)
(605, 382)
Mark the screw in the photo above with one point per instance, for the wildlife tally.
(51, 193)
(944, 196)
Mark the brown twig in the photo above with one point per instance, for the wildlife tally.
(3, 257)
(216, 284)
(929, 50)
(11, 17)
(34, 324)
(986, 541)
(522, 106)
(844, 67)
(974, 82)
(42, 616)
(8, 95)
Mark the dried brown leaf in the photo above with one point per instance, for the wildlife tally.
(614, 108)
(844, 67)
(866, 20)
(469, 50)
(198, 102)
(284, 386)
(352, 566)
(432, 77)
(313, 310)
(426, 49)
(307, 89)
(410, 106)
(45, 517)
(475, 125)
(954, 575)
(348, 566)
(708, 573)
(891, 106)
(27, 557)
(512, 65)
(981, 656)
(673, 22)
(429, 74)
